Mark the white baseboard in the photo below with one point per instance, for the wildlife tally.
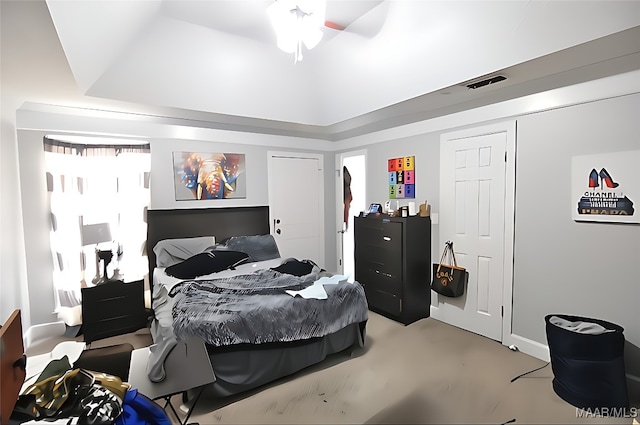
(43, 331)
(530, 347)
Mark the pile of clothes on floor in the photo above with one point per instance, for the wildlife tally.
(70, 395)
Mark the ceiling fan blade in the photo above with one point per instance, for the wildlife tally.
(333, 25)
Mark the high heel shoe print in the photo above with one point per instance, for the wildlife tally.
(606, 178)
(593, 179)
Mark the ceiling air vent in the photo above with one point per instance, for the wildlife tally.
(491, 80)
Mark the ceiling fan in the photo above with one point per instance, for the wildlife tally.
(300, 22)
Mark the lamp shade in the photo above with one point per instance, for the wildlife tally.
(94, 234)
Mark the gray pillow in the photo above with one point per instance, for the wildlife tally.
(172, 251)
(258, 247)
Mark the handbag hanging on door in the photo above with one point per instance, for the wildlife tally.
(448, 278)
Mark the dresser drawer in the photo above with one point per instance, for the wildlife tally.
(382, 261)
(379, 233)
(371, 277)
(384, 301)
(380, 246)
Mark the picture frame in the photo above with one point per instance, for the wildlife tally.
(605, 187)
(209, 176)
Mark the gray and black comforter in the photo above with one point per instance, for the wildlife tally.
(255, 309)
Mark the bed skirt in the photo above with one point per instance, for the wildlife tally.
(236, 370)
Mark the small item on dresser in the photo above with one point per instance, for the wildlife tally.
(387, 207)
(375, 209)
(412, 208)
(425, 209)
(449, 279)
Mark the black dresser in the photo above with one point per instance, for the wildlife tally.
(393, 264)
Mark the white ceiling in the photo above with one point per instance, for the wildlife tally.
(397, 61)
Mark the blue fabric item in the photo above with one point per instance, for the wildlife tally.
(138, 409)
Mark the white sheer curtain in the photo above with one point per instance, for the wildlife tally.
(91, 184)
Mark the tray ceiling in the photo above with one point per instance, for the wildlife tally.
(395, 61)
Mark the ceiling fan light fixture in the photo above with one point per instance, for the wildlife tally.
(297, 22)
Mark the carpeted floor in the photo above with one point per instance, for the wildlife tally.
(424, 373)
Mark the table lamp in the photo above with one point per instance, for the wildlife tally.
(95, 234)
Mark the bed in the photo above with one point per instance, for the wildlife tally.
(263, 317)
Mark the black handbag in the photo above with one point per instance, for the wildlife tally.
(448, 278)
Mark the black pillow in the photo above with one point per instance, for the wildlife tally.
(295, 267)
(207, 263)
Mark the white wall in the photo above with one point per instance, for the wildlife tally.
(37, 226)
(563, 266)
(13, 275)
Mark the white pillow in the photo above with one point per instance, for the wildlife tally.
(172, 251)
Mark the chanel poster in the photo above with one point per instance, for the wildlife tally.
(605, 187)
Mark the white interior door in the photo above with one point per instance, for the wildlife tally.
(296, 205)
(473, 196)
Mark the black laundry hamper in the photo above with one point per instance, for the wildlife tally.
(588, 369)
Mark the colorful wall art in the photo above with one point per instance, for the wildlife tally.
(201, 176)
(605, 187)
(402, 178)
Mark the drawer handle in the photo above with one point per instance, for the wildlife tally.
(386, 238)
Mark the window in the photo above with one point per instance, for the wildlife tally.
(104, 185)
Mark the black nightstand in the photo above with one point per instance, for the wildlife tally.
(113, 308)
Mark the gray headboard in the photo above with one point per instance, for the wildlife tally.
(219, 222)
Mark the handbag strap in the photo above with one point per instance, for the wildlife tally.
(445, 251)
(447, 255)
(452, 254)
